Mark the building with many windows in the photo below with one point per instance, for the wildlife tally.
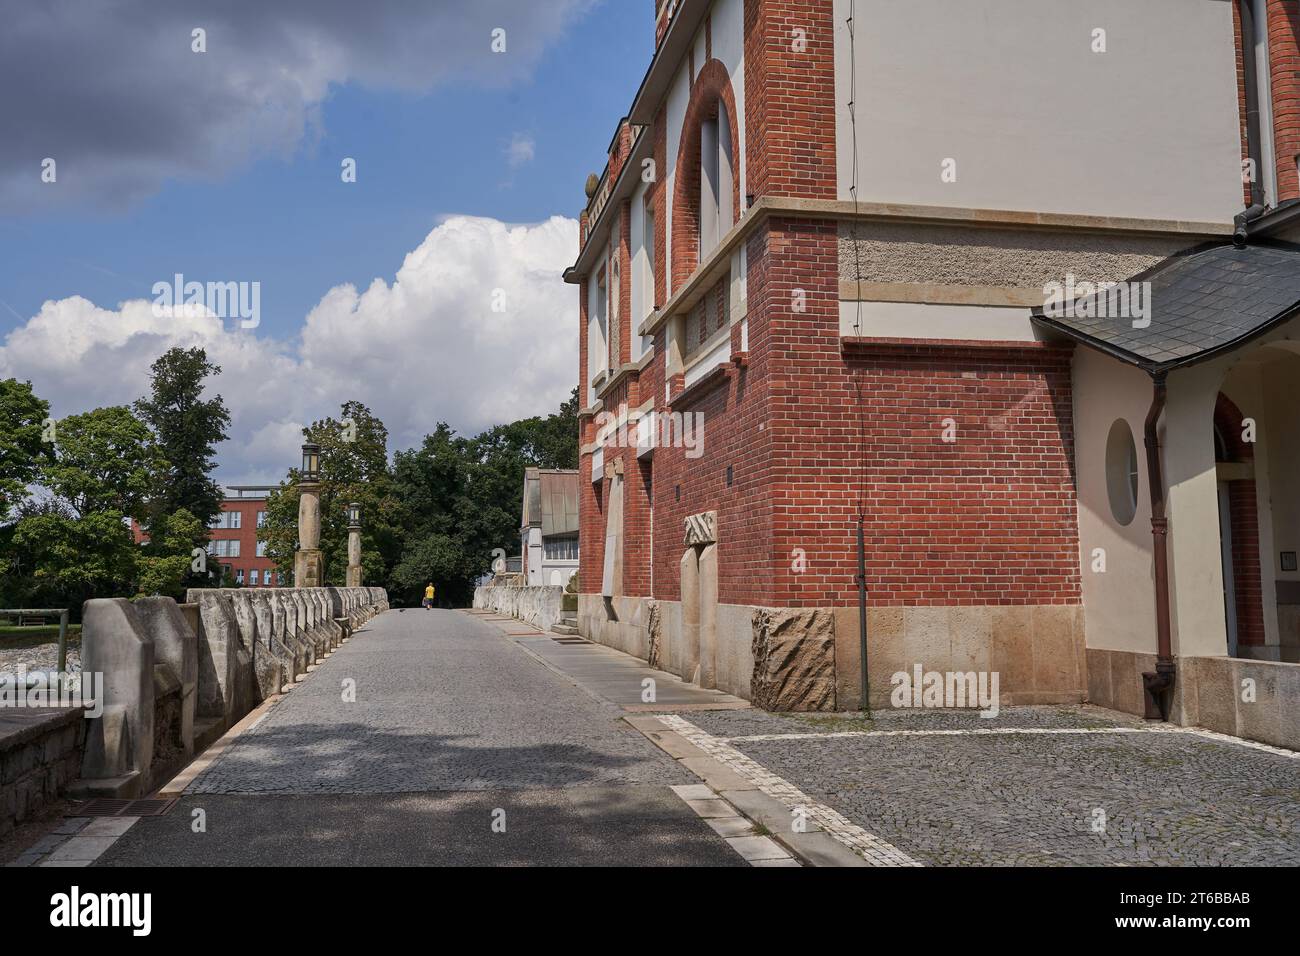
(841, 271)
(234, 537)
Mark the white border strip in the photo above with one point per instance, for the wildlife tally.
(995, 731)
(873, 849)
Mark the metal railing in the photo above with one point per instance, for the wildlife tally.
(62, 612)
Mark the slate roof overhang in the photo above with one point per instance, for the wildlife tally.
(1203, 302)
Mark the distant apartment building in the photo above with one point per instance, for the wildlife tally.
(815, 285)
(234, 538)
(549, 529)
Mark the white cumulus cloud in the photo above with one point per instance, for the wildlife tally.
(476, 327)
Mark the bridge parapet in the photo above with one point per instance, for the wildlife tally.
(176, 677)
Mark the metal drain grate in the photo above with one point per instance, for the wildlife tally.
(104, 807)
(570, 640)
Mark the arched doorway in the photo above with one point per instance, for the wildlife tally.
(1234, 463)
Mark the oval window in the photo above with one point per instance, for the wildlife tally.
(1122, 472)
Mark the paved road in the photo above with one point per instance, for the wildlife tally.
(453, 728)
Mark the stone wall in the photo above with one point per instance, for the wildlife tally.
(808, 658)
(175, 677)
(1229, 695)
(539, 606)
(40, 754)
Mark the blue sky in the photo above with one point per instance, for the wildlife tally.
(291, 224)
(224, 165)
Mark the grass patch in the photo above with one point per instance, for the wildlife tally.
(760, 830)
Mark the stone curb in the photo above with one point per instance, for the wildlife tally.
(814, 847)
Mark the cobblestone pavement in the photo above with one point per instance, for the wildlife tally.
(442, 703)
(459, 749)
(1037, 785)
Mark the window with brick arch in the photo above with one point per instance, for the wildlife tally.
(715, 178)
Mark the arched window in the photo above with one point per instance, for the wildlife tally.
(715, 178)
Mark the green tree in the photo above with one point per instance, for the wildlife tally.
(353, 467)
(76, 542)
(104, 461)
(165, 564)
(73, 557)
(22, 449)
(461, 498)
(187, 427)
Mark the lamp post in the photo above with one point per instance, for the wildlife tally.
(354, 545)
(308, 563)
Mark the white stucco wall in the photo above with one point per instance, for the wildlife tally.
(1033, 117)
(597, 340)
(1195, 561)
(1119, 604)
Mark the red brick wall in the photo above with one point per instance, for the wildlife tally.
(246, 535)
(790, 97)
(989, 519)
(1243, 514)
(657, 197)
(1248, 589)
(1284, 64)
(627, 321)
(1241, 96)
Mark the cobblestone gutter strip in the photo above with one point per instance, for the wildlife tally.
(873, 849)
(1005, 731)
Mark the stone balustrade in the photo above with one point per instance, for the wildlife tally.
(176, 677)
(539, 605)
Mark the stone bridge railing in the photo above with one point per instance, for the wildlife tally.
(177, 676)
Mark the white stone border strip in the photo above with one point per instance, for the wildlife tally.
(84, 840)
(995, 731)
(727, 822)
(873, 849)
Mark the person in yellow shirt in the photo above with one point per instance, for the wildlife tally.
(428, 595)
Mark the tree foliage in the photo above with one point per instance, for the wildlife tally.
(22, 448)
(438, 512)
(462, 498)
(353, 467)
(187, 429)
(68, 503)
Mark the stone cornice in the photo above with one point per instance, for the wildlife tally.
(718, 261)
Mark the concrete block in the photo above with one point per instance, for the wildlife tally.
(176, 645)
(1055, 664)
(1098, 665)
(1012, 636)
(219, 656)
(115, 645)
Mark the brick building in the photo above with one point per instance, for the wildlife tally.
(811, 286)
(233, 538)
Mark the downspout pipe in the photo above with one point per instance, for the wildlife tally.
(1250, 77)
(1158, 684)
